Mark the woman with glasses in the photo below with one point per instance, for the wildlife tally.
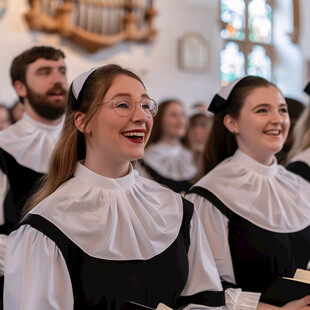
(166, 159)
(96, 233)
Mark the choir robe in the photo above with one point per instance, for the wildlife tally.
(96, 242)
(25, 150)
(170, 165)
(257, 220)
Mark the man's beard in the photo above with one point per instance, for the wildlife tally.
(46, 107)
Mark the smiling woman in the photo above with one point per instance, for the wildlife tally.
(96, 233)
(255, 213)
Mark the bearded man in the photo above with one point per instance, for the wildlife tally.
(39, 78)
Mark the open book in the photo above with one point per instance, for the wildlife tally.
(284, 289)
(130, 305)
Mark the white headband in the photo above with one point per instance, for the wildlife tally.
(219, 101)
(79, 81)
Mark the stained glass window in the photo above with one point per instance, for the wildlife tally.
(233, 14)
(259, 63)
(247, 30)
(232, 63)
(260, 15)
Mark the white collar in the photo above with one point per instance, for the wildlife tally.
(52, 129)
(172, 162)
(268, 196)
(126, 218)
(31, 143)
(112, 184)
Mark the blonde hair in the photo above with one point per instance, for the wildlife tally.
(71, 146)
(301, 134)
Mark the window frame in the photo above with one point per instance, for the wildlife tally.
(246, 46)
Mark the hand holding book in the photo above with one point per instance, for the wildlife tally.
(284, 290)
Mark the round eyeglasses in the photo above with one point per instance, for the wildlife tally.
(125, 105)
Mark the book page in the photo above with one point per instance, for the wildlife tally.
(163, 307)
(302, 275)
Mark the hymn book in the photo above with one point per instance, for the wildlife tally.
(284, 290)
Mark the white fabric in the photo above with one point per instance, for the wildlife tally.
(238, 300)
(215, 226)
(90, 209)
(37, 276)
(4, 187)
(172, 162)
(268, 196)
(31, 143)
(3, 243)
(79, 81)
(303, 156)
(225, 91)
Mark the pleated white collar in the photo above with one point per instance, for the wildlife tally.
(268, 196)
(31, 143)
(172, 162)
(118, 219)
(303, 156)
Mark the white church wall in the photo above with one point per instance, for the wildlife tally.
(157, 63)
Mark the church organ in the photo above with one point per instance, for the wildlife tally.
(94, 24)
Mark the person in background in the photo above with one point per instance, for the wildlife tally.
(97, 233)
(39, 78)
(298, 160)
(5, 118)
(255, 213)
(166, 159)
(17, 111)
(199, 125)
(295, 109)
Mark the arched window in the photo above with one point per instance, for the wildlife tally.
(232, 63)
(259, 21)
(247, 34)
(233, 15)
(259, 63)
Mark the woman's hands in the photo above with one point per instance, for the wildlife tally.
(299, 304)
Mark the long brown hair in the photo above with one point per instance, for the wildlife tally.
(157, 130)
(71, 146)
(221, 143)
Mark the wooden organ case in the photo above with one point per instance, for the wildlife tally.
(94, 24)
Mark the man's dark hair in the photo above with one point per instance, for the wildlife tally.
(20, 63)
